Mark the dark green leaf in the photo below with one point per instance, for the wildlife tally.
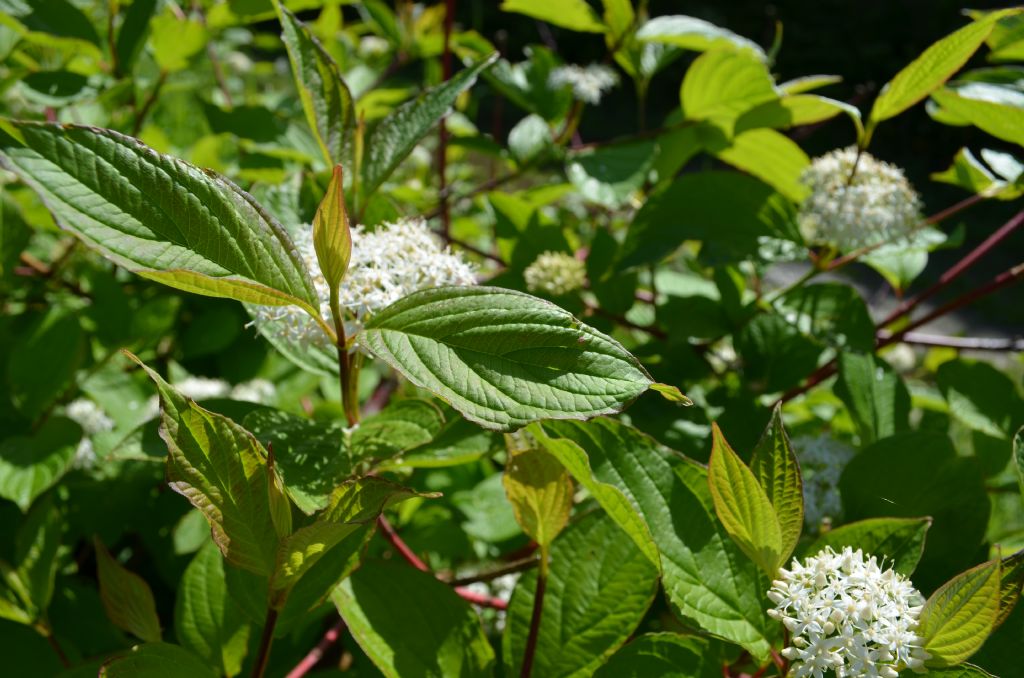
(410, 624)
(43, 361)
(832, 312)
(31, 465)
(897, 540)
(875, 395)
(666, 655)
(156, 215)
(126, 597)
(156, 660)
(598, 589)
(396, 136)
(504, 358)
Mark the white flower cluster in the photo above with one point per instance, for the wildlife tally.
(822, 461)
(259, 391)
(93, 421)
(555, 273)
(848, 615)
(850, 208)
(588, 83)
(388, 263)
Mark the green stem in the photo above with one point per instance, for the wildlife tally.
(347, 376)
(810, 273)
(263, 654)
(538, 609)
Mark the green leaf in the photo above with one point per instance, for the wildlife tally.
(743, 506)
(599, 587)
(332, 238)
(42, 363)
(795, 110)
(832, 312)
(529, 139)
(777, 471)
(133, 32)
(996, 109)
(920, 474)
(705, 575)
(968, 173)
(353, 504)
(1018, 456)
(396, 136)
(716, 206)
(722, 84)
(220, 468)
(206, 620)
(504, 358)
(875, 395)
(959, 616)
(156, 660)
(932, 68)
(1011, 582)
(36, 546)
(325, 96)
(31, 465)
(175, 41)
(576, 15)
(411, 624)
(687, 32)
(980, 397)
(126, 597)
(612, 499)
(961, 671)
(666, 655)
(609, 176)
(156, 215)
(897, 540)
(314, 457)
(540, 492)
(770, 156)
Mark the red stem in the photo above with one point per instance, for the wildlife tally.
(407, 553)
(317, 653)
(957, 269)
(538, 609)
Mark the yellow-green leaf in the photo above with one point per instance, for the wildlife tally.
(576, 15)
(777, 471)
(126, 597)
(932, 68)
(722, 84)
(995, 109)
(959, 616)
(332, 238)
(540, 492)
(770, 156)
(743, 506)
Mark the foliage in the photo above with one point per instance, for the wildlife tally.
(617, 454)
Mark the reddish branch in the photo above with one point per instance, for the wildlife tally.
(317, 653)
(403, 549)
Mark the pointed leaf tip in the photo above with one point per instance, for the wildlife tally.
(671, 393)
(332, 238)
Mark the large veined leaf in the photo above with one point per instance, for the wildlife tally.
(156, 215)
(996, 109)
(899, 541)
(30, 577)
(959, 616)
(706, 576)
(612, 499)
(687, 32)
(576, 15)
(722, 84)
(325, 96)
(503, 358)
(396, 136)
(222, 470)
(935, 65)
(411, 624)
(599, 587)
(770, 156)
(206, 620)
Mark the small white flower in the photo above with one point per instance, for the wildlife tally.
(256, 391)
(848, 615)
(588, 83)
(93, 421)
(822, 461)
(854, 208)
(388, 263)
(555, 273)
(203, 388)
(372, 46)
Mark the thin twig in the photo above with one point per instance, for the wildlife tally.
(962, 343)
(492, 574)
(140, 117)
(314, 656)
(266, 640)
(52, 640)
